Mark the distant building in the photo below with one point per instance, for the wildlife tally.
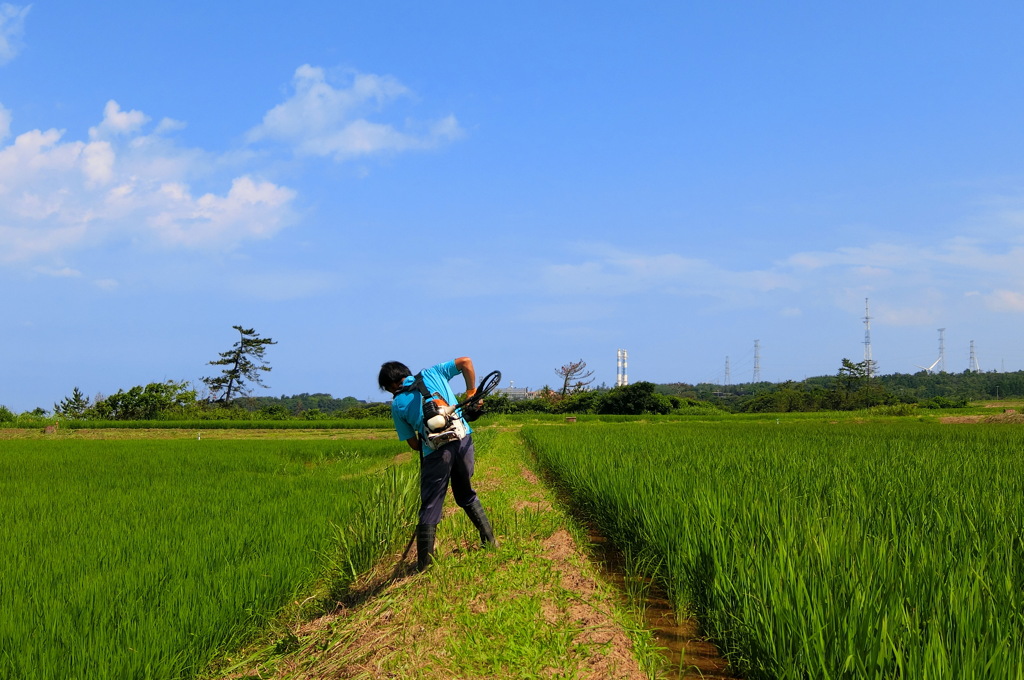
(516, 393)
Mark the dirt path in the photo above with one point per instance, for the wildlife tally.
(537, 607)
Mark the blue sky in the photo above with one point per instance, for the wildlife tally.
(526, 183)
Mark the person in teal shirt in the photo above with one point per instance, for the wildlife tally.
(451, 462)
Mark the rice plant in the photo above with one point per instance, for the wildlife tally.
(142, 559)
(817, 550)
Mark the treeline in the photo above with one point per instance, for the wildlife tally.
(636, 399)
(173, 400)
(177, 401)
(852, 388)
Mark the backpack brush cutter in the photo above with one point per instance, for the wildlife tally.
(440, 417)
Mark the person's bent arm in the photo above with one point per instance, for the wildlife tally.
(415, 444)
(465, 366)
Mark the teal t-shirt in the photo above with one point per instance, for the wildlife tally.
(407, 407)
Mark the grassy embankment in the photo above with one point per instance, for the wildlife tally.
(535, 607)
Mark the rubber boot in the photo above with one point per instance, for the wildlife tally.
(479, 519)
(425, 545)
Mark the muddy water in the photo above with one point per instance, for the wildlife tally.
(689, 655)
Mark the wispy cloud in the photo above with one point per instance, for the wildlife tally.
(12, 26)
(910, 284)
(608, 270)
(1006, 300)
(322, 119)
(58, 195)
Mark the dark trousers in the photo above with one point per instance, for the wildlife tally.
(452, 462)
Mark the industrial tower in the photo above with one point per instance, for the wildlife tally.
(621, 379)
(942, 350)
(757, 361)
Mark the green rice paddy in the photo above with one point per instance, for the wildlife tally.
(818, 550)
(144, 558)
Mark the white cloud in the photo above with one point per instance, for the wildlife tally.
(118, 122)
(123, 185)
(320, 119)
(1005, 301)
(12, 25)
(61, 272)
(169, 125)
(614, 272)
(251, 209)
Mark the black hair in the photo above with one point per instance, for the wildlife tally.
(392, 372)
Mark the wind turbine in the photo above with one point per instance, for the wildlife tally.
(928, 369)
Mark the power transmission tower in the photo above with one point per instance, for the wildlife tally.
(869, 363)
(728, 376)
(973, 366)
(621, 379)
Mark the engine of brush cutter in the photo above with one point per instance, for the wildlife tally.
(443, 426)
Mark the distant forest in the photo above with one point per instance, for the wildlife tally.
(852, 388)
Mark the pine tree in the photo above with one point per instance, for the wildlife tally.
(244, 363)
(73, 406)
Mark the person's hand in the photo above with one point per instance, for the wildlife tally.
(473, 407)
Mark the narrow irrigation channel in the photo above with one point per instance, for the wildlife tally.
(688, 654)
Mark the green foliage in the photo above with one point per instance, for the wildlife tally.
(894, 410)
(6, 416)
(694, 407)
(944, 402)
(297, 404)
(370, 411)
(273, 413)
(580, 402)
(851, 389)
(497, 404)
(155, 400)
(635, 399)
